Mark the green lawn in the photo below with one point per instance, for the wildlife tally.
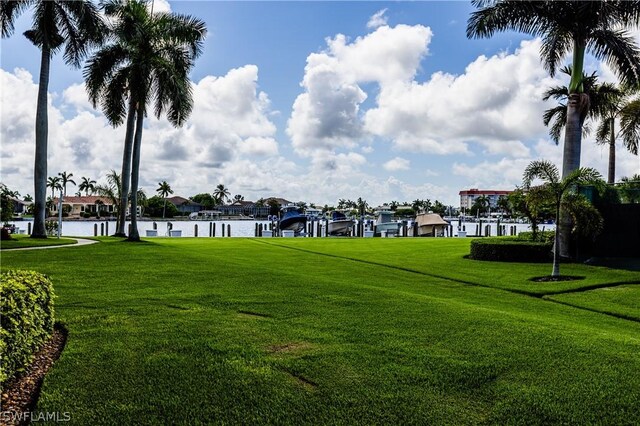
(621, 300)
(414, 255)
(23, 241)
(192, 331)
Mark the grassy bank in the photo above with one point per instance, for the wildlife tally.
(269, 331)
(24, 241)
(444, 258)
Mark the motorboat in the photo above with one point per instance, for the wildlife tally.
(384, 224)
(339, 224)
(430, 225)
(292, 220)
(205, 215)
(313, 213)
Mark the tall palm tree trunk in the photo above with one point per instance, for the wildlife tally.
(42, 134)
(555, 272)
(611, 178)
(577, 108)
(135, 172)
(126, 171)
(164, 207)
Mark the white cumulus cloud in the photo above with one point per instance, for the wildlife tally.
(378, 19)
(397, 164)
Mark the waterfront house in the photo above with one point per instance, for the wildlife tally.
(77, 206)
(184, 205)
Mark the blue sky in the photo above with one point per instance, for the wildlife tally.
(314, 101)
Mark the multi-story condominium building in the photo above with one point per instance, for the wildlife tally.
(469, 196)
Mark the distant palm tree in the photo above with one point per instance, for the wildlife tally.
(619, 107)
(112, 190)
(557, 189)
(65, 178)
(163, 191)
(142, 201)
(54, 182)
(87, 185)
(362, 206)
(76, 25)
(238, 198)
(221, 193)
(630, 125)
(146, 63)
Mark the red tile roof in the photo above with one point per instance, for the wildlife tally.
(91, 199)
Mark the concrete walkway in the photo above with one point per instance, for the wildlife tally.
(80, 242)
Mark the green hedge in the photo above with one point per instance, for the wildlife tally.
(27, 318)
(545, 237)
(507, 249)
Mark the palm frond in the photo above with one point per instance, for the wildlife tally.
(10, 11)
(524, 17)
(556, 44)
(619, 50)
(540, 169)
(630, 125)
(582, 176)
(603, 132)
(556, 92)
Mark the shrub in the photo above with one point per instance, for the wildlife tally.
(86, 215)
(26, 309)
(51, 226)
(507, 249)
(542, 237)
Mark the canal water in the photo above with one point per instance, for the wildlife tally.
(239, 228)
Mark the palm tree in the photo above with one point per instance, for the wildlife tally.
(142, 201)
(604, 104)
(221, 193)
(55, 185)
(163, 191)
(557, 189)
(362, 206)
(598, 27)
(65, 178)
(146, 61)
(238, 198)
(630, 125)
(619, 106)
(87, 185)
(76, 25)
(600, 97)
(112, 190)
(630, 188)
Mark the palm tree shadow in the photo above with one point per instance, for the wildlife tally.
(624, 263)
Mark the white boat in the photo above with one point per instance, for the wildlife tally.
(205, 215)
(430, 224)
(384, 223)
(339, 224)
(313, 213)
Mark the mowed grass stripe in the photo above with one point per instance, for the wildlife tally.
(435, 256)
(634, 317)
(229, 331)
(622, 301)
